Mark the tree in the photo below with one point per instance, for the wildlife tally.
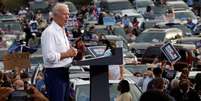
(12, 4)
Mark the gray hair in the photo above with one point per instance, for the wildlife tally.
(57, 7)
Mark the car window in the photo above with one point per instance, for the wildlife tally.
(12, 26)
(176, 5)
(140, 4)
(116, 31)
(151, 37)
(184, 15)
(7, 17)
(82, 92)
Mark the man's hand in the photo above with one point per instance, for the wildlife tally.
(72, 52)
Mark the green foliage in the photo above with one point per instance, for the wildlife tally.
(13, 4)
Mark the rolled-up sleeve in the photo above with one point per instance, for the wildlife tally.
(49, 48)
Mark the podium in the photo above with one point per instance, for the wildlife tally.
(99, 83)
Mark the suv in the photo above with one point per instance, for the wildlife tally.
(187, 52)
(151, 37)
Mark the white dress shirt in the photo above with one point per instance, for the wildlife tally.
(53, 42)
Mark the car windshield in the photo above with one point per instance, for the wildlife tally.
(119, 5)
(183, 28)
(159, 10)
(7, 17)
(116, 31)
(184, 15)
(82, 92)
(39, 5)
(10, 26)
(143, 3)
(150, 37)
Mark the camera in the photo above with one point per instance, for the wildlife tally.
(19, 95)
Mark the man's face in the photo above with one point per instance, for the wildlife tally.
(63, 15)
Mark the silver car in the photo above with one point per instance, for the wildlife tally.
(82, 89)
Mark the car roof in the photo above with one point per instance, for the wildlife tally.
(8, 18)
(85, 82)
(181, 46)
(175, 2)
(182, 10)
(103, 26)
(141, 0)
(161, 29)
(116, 0)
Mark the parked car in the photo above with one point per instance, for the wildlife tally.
(187, 53)
(82, 89)
(131, 15)
(153, 36)
(141, 68)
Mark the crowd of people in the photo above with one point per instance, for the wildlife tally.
(13, 83)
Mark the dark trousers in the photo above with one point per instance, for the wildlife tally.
(57, 83)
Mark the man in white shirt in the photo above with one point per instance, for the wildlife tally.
(57, 55)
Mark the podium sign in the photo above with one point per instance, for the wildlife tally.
(16, 60)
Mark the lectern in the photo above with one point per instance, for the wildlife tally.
(99, 83)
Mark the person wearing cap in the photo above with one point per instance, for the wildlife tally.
(57, 54)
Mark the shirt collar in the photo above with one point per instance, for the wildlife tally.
(57, 26)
